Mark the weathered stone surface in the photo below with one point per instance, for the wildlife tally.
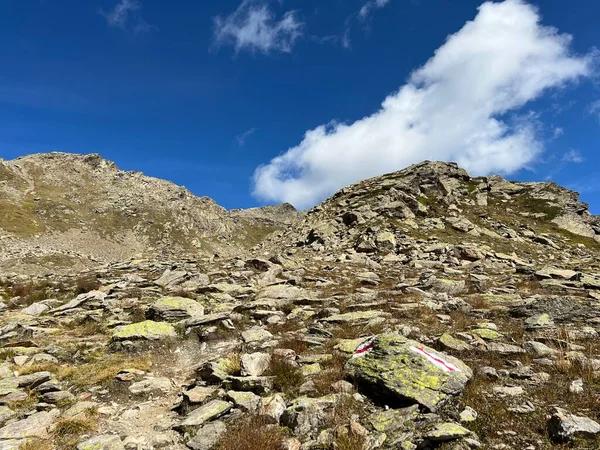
(210, 411)
(354, 317)
(34, 426)
(255, 364)
(443, 432)
(174, 309)
(103, 442)
(208, 436)
(564, 426)
(401, 370)
(248, 401)
(147, 330)
(155, 386)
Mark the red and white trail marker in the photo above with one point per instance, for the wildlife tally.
(363, 349)
(436, 360)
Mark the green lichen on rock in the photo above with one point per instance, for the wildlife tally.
(487, 334)
(173, 309)
(395, 372)
(147, 330)
(352, 317)
(448, 431)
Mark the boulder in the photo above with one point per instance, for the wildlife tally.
(564, 426)
(208, 436)
(212, 410)
(147, 330)
(401, 371)
(255, 364)
(174, 309)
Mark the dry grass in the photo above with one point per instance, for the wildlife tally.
(86, 284)
(24, 406)
(67, 432)
(293, 343)
(103, 370)
(286, 326)
(332, 371)
(36, 444)
(233, 363)
(254, 433)
(288, 376)
(29, 293)
(349, 441)
(345, 408)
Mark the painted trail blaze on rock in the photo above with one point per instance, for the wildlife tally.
(363, 349)
(402, 371)
(438, 361)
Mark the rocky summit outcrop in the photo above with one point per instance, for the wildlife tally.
(420, 310)
(60, 209)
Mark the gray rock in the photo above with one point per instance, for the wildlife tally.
(208, 436)
(174, 309)
(35, 426)
(103, 442)
(212, 410)
(396, 369)
(255, 364)
(155, 386)
(564, 426)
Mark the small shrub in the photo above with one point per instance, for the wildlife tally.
(345, 408)
(29, 293)
(333, 371)
(288, 377)
(67, 432)
(349, 441)
(298, 345)
(254, 433)
(86, 284)
(233, 363)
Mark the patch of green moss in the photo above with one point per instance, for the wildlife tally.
(538, 206)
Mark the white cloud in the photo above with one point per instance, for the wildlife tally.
(241, 139)
(369, 6)
(253, 26)
(573, 156)
(452, 108)
(125, 14)
(558, 132)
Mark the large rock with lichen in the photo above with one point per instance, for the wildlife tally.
(147, 330)
(400, 371)
(174, 309)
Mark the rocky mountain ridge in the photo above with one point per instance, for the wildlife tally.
(60, 209)
(420, 310)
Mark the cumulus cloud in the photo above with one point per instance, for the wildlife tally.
(573, 156)
(126, 13)
(461, 105)
(369, 6)
(254, 27)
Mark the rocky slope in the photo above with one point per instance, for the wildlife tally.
(61, 209)
(424, 309)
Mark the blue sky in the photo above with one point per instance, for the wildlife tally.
(256, 101)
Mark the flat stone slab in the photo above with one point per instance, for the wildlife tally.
(147, 330)
(211, 411)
